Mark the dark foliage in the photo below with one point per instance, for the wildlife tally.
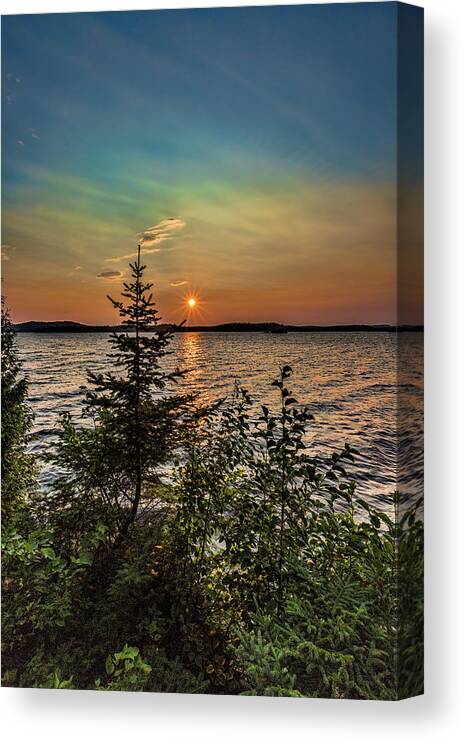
(17, 469)
(203, 550)
(111, 467)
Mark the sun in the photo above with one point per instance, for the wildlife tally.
(192, 303)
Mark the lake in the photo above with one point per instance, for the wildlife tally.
(348, 379)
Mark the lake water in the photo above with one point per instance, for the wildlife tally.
(349, 380)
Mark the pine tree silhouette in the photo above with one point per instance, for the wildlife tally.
(17, 467)
(135, 426)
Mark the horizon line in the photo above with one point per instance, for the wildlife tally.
(184, 326)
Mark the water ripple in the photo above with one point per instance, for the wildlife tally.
(349, 380)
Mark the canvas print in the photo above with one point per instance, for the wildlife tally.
(212, 351)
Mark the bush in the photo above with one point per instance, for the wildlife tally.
(17, 465)
(256, 569)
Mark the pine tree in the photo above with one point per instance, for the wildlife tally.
(17, 469)
(135, 427)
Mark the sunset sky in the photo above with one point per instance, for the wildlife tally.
(251, 151)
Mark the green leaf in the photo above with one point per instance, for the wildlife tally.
(84, 558)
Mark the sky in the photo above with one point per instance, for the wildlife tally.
(251, 151)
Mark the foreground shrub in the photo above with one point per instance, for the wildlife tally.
(202, 550)
(17, 465)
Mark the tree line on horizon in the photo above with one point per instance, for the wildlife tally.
(69, 326)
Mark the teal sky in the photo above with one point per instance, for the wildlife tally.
(251, 150)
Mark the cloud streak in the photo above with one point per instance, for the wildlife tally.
(152, 236)
(131, 255)
(110, 275)
(161, 231)
(6, 250)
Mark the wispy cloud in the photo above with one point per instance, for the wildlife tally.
(110, 275)
(130, 255)
(178, 283)
(6, 251)
(153, 236)
(161, 231)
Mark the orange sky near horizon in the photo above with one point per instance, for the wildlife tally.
(312, 255)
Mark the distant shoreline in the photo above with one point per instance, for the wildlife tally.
(264, 327)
